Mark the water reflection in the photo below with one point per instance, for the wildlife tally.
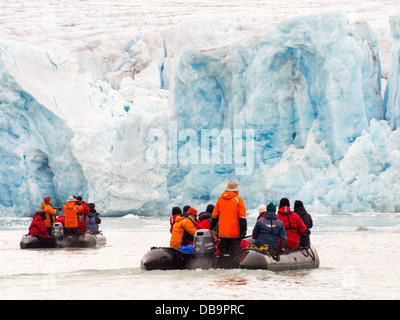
(231, 282)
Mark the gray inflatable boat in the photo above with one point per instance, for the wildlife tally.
(59, 240)
(204, 257)
(302, 258)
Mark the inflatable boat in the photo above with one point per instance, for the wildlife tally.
(204, 256)
(167, 258)
(302, 258)
(59, 240)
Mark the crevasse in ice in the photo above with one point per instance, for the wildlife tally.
(297, 110)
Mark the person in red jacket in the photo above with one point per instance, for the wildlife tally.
(37, 226)
(176, 212)
(82, 214)
(205, 218)
(61, 219)
(294, 226)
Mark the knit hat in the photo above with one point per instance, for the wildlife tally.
(46, 199)
(262, 208)
(176, 210)
(186, 208)
(271, 207)
(192, 211)
(284, 203)
(210, 208)
(41, 213)
(298, 204)
(232, 186)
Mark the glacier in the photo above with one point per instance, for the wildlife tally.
(125, 122)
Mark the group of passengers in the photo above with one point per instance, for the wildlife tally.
(284, 230)
(78, 217)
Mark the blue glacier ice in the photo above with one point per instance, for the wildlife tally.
(313, 78)
(392, 102)
(297, 111)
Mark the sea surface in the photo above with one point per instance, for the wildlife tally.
(359, 257)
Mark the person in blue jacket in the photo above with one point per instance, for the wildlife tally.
(92, 219)
(269, 230)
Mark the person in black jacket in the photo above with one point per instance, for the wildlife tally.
(307, 220)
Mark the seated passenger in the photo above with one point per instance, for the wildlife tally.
(192, 213)
(182, 231)
(176, 212)
(92, 219)
(37, 226)
(293, 225)
(262, 209)
(308, 221)
(61, 218)
(269, 230)
(205, 218)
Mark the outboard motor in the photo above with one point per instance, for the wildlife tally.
(204, 252)
(58, 231)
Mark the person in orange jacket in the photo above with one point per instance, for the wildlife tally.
(50, 214)
(183, 229)
(230, 213)
(71, 211)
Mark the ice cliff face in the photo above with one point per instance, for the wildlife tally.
(315, 71)
(297, 112)
(392, 103)
(312, 82)
(36, 152)
(62, 134)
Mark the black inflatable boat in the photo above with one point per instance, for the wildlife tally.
(204, 257)
(59, 240)
(167, 258)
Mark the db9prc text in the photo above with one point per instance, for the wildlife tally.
(223, 309)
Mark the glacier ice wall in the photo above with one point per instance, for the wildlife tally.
(392, 102)
(280, 83)
(120, 121)
(64, 134)
(311, 79)
(36, 153)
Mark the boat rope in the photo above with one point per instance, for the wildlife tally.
(307, 253)
(266, 250)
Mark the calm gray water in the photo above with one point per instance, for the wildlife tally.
(354, 265)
